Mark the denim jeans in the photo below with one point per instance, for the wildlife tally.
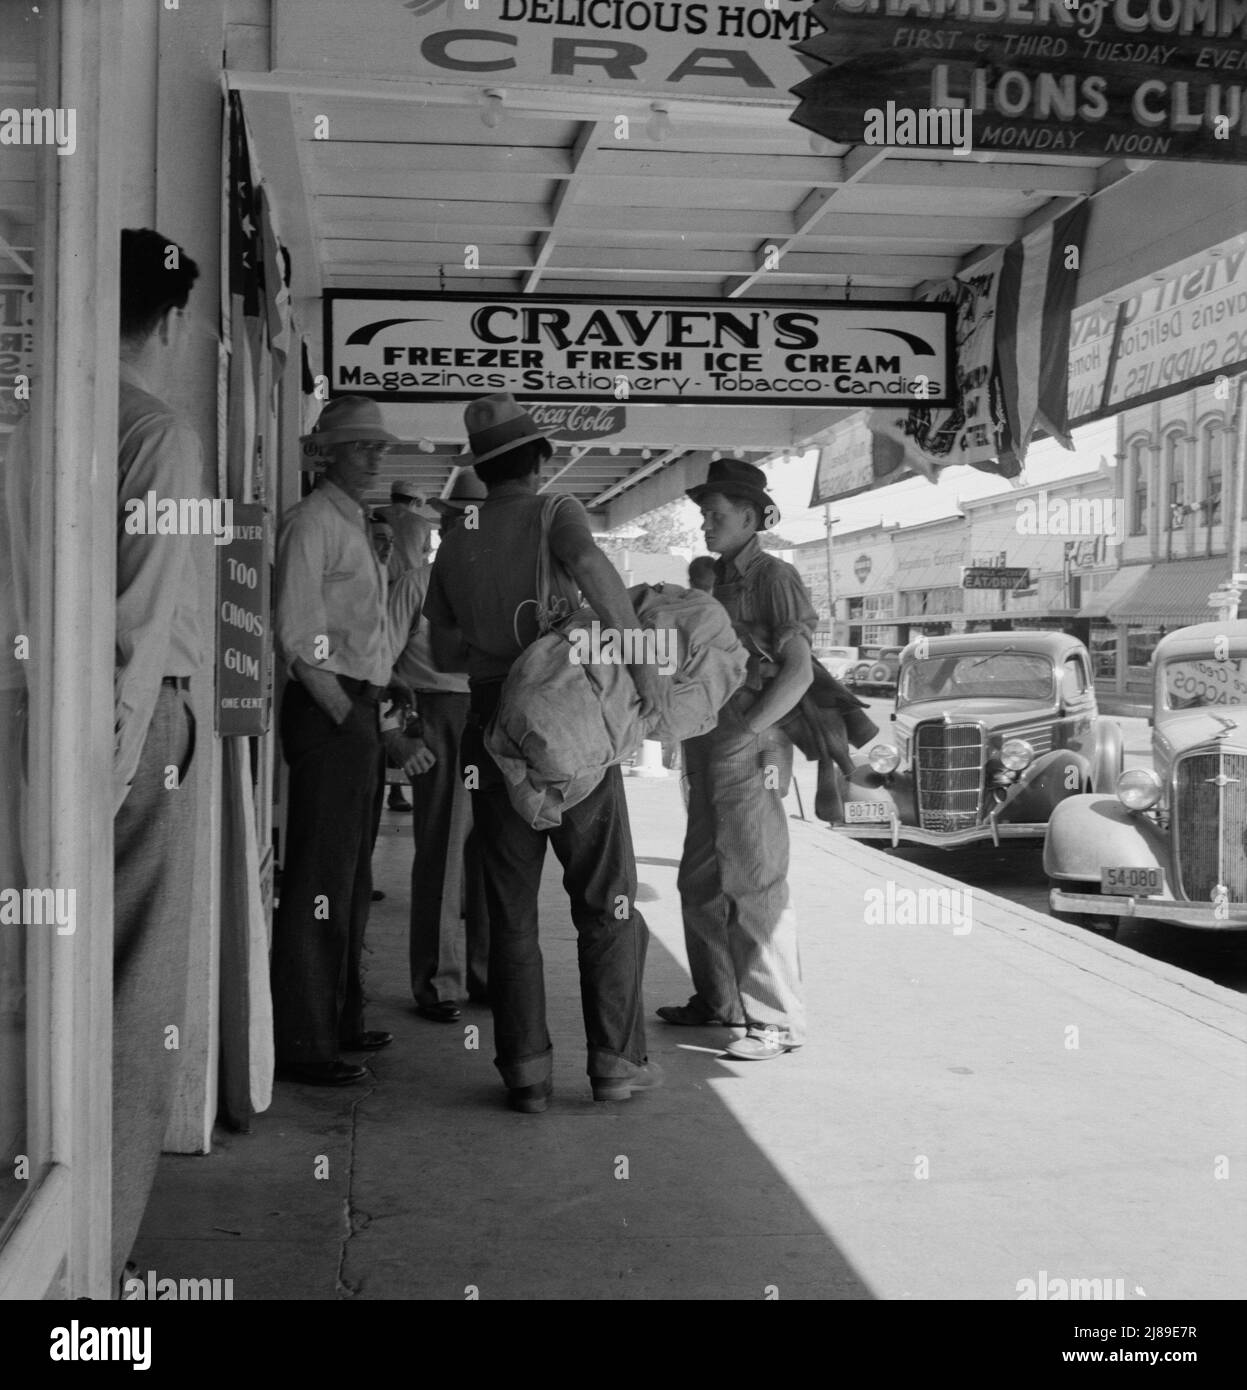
(447, 888)
(739, 926)
(326, 886)
(593, 842)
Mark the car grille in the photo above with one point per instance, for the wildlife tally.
(948, 775)
(1209, 824)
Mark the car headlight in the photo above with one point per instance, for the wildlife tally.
(884, 758)
(1138, 788)
(1016, 754)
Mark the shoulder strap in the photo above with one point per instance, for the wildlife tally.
(552, 605)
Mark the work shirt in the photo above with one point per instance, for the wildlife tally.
(409, 631)
(484, 578)
(767, 603)
(158, 629)
(331, 589)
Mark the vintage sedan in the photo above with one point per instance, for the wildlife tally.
(992, 730)
(1171, 845)
(877, 671)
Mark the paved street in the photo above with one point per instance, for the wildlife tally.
(1016, 872)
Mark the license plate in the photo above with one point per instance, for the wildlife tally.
(869, 812)
(1135, 883)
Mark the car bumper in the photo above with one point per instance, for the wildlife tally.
(1149, 909)
(991, 831)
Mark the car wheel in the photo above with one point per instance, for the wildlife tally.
(879, 674)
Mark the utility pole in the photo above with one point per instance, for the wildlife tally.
(829, 521)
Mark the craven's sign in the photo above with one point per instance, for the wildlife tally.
(630, 47)
(1180, 330)
(1159, 79)
(753, 352)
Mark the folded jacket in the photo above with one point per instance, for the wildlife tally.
(565, 715)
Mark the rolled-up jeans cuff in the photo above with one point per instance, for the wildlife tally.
(610, 1065)
(527, 1071)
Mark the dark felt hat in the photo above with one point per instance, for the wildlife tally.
(737, 479)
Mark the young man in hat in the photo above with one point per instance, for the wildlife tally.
(481, 601)
(739, 926)
(332, 631)
(447, 887)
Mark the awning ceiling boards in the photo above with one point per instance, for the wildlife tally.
(1175, 591)
(1116, 592)
(410, 176)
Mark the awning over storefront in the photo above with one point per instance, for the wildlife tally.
(1115, 593)
(1172, 594)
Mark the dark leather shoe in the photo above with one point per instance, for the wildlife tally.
(370, 1041)
(687, 1016)
(337, 1073)
(377, 895)
(645, 1078)
(439, 1013)
(397, 803)
(530, 1100)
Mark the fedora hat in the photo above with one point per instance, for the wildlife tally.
(403, 493)
(348, 419)
(498, 423)
(465, 489)
(738, 479)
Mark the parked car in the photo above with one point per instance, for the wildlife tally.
(1169, 845)
(837, 660)
(992, 730)
(876, 671)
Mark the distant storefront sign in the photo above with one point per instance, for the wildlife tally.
(851, 461)
(1180, 330)
(995, 577)
(244, 639)
(574, 424)
(1155, 79)
(749, 352)
(636, 47)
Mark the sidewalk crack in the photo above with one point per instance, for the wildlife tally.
(354, 1219)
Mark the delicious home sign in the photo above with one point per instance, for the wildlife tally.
(633, 47)
(1161, 79)
(671, 352)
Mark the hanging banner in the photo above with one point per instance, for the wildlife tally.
(1155, 79)
(633, 47)
(1183, 329)
(244, 636)
(743, 352)
(854, 459)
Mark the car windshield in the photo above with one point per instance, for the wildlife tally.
(1004, 675)
(1193, 682)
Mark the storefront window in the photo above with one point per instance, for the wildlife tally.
(1140, 644)
(1138, 476)
(1103, 647)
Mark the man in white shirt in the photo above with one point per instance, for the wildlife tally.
(333, 633)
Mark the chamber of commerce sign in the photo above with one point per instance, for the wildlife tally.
(655, 352)
(633, 47)
(1165, 79)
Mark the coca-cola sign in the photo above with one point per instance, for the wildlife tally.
(579, 421)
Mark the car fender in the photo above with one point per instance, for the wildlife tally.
(1088, 833)
(1109, 756)
(865, 784)
(1052, 778)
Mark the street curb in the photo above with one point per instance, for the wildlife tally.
(1213, 1005)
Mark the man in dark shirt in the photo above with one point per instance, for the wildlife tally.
(482, 603)
(739, 926)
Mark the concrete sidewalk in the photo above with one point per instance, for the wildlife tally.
(973, 1107)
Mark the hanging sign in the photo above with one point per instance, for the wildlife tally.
(243, 630)
(632, 47)
(1154, 79)
(670, 352)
